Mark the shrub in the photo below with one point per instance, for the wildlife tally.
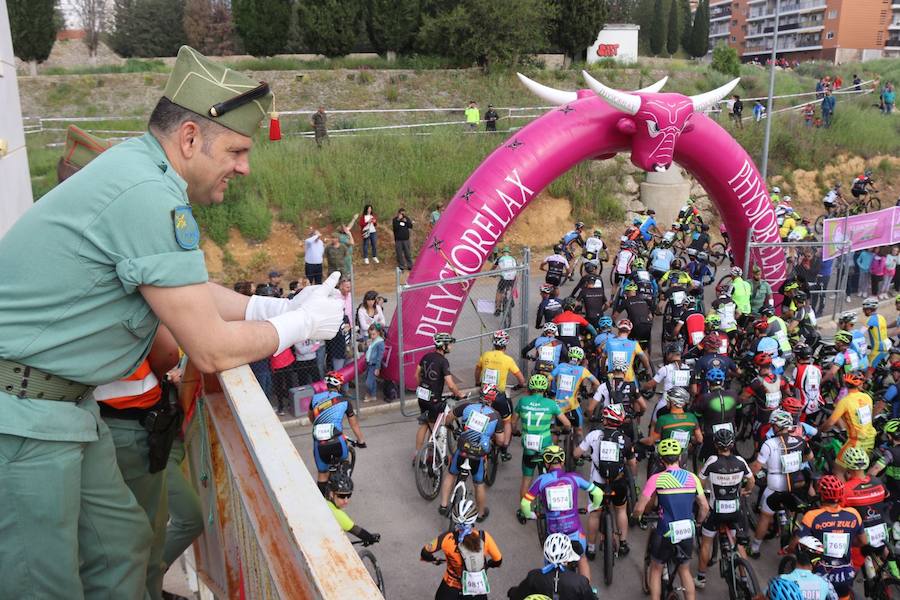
(725, 60)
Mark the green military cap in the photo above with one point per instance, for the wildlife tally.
(220, 94)
(82, 147)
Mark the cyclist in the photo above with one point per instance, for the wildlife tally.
(648, 227)
(611, 452)
(432, 374)
(675, 423)
(672, 374)
(468, 553)
(813, 587)
(855, 411)
(340, 489)
(326, 413)
(571, 325)
(591, 292)
(717, 409)
(494, 367)
(675, 279)
(674, 320)
(861, 185)
(787, 481)
(604, 325)
(803, 322)
(892, 394)
(698, 268)
(831, 199)
(479, 422)
(661, 258)
(536, 412)
(778, 330)
(878, 342)
(640, 314)
(615, 391)
(807, 381)
(847, 322)
(558, 493)
(729, 478)
(687, 214)
(676, 490)
(556, 579)
(700, 239)
(646, 284)
(794, 407)
(621, 348)
(761, 341)
(694, 328)
(549, 349)
(622, 263)
(711, 359)
(740, 291)
(567, 379)
(775, 196)
(595, 248)
(766, 390)
(508, 263)
(847, 358)
(550, 305)
(556, 266)
(888, 461)
(573, 238)
(867, 494)
(838, 528)
(728, 312)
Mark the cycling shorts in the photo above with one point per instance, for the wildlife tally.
(503, 406)
(431, 409)
(662, 550)
(576, 417)
(840, 577)
(330, 452)
(616, 490)
(530, 462)
(857, 193)
(505, 284)
(736, 521)
(773, 501)
(579, 541)
(476, 464)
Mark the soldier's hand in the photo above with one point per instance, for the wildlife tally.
(326, 290)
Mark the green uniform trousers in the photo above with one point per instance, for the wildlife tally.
(149, 489)
(69, 527)
(185, 512)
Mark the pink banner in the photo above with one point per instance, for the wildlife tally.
(880, 228)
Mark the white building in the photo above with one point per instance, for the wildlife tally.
(618, 41)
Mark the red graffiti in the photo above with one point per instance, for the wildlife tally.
(608, 50)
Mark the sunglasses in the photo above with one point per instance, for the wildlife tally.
(343, 496)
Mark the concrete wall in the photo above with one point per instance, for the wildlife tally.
(615, 41)
(15, 181)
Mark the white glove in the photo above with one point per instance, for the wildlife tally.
(261, 308)
(319, 319)
(326, 290)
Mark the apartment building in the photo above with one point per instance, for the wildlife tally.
(833, 30)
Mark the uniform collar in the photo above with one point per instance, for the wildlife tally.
(162, 161)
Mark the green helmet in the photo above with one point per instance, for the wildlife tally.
(713, 319)
(631, 287)
(669, 447)
(538, 383)
(553, 454)
(576, 353)
(855, 459)
(506, 249)
(892, 428)
(639, 263)
(843, 337)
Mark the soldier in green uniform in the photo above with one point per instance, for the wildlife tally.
(86, 276)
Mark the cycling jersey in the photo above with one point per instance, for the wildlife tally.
(740, 293)
(640, 313)
(622, 349)
(572, 236)
(808, 383)
(551, 582)
(889, 460)
(661, 259)
(548, 309)
(675, 278)
(675, 316)
(867, 495)
(836, 529)
(677, 425)
(623, 262)
(778, 330)
(699, 241)
(609, 449)
(434, 368)
(328, 410)
(783, 458)
(618, 391)
(850, 360)
(557, 265)
(879, 343)
(649, 222)
(717, 409)
(860, 185)
(767, 392)
(712, 361)
(495, 365)
(508, 263)
(726, 476)
(548, 349)
(567, 379)
(700, 271)
(340, 516)
(830, 198)
(727, 311)
(570, 327)
(447, 543)
(479, 424)
(812, 586)
(594, 245)
(592, 295)
(694, 326)
(673, 375)
(536, 414)
(675, 489)
(855, 410)
(558, 492)
(647, 288)
(860, 341)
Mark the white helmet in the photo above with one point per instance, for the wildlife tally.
(781, 419)
(870, 302)
(786, 199)
(669, 236)
(465, 512)
(776, 190)
(558, 549)
(812, 544)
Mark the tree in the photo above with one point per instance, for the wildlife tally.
(94, 16)
(262, 25)
(392, 24)
(33, 29)
(620, 11)
(725, 60)
(673, 34)
(460, 33)
(577, 24)
(686, 25)
(658, 29)
(700, 31)
(147, 28)
(330, 27)
(208, 26)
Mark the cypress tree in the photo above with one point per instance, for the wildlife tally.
(674, 28)
(33, 29)
(658, 29)
(262, 25)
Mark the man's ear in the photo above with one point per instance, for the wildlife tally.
(189, 139)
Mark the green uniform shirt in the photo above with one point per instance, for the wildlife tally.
(70, 269)
(759, 291)
(536, 413)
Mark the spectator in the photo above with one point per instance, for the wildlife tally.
(335, 254)
(283, 377)
(295, 286)
(838, 82)
(857, 83)
(368, 312)
(828, 108)
(820, 89)
(758, 111)
(889, 97)
(306, 368)
(436, 214)
(890, 270)
(346, 238)
(849, 259)
(402, 225)
(490, 119)
(472, 116)
(244, 287)
(320, 126)
(809, 115)
(374, 354)
(275, 283)
(337, 347)
(877, 270)
(315, 252)
(345, 288)
(864, 262)
(737, 112)
(368, 227)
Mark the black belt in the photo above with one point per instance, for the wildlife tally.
(23, 381)
(130, 414)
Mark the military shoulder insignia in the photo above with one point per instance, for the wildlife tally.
(187, 232)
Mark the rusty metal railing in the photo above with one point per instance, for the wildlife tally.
(269, 532)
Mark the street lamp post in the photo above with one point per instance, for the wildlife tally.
(765, 152)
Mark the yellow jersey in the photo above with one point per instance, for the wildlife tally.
(495, 365)
(855, 410)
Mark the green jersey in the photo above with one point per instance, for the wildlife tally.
(677, 426)
(536, 413)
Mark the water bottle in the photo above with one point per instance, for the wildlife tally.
(869, 568)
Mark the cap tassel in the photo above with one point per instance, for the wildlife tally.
(274, 127)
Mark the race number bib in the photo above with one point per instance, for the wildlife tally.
(681, 378)
(773, 399)
(618, 356)
(781, 337)
(696, 337)
(323, 432)
(559, 498)
(568, 329)
(678, 297)
(723, 346)
(533, 442)
(877, 534)
(720, 426)
(864, 414)
(727, 314)
(423, 393)
(547, 353)
(778, 362)
(475, 583)
(682, 438)
(790, 462)
(566, 383)
(836, 544)
(854, 359)
(681, 530)
(812, 384)
(477, 422)
(724, 507)
(490, 376)
(609, 451)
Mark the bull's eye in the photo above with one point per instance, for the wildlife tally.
(652, 128)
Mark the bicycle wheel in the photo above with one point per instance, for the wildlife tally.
(717, 253)
(491, 464)
(887, 589)
(350, 463)
(428, 478)
(744, 585)
(506, 316)
(724, 284)
(631, 498)
(609, 546)
(787, 564)
(569, 447)
(541, 522)
(873, 204)
(372, 567)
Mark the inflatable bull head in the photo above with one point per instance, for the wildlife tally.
(654, 121)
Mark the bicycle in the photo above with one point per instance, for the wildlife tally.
(718, 252)
(492, 462)
(609, 532)
(880, 585)
(371, 563)
(734, 569)
(345, 466)
(461, 491)
(590, 258)
(434, 456)
(506, 307)
(668, 591)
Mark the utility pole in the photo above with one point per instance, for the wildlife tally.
(765, 152)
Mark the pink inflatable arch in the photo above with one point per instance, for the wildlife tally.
(657, 128)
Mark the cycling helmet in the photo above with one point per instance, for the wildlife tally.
(776, 190)
(579, 225)
(576, 354)
(639, 264)
(855, 459)
(781, 419)
(712, 341)
(489, 392)
(669, 447)
(800, 296)
(442, 341)
(501, 339)
(802, 351)
(553, 454)
(714, 319)
(787, 199)
(614, 414)
(673, 348)
(854, 378)
(724, 296)
(689, 301)
(843, 337)
(334, 380)
(340, 483)
(784, 589)
(811, 544)
(550, 329)
(605, 323)
(767, 310)
(676, 264)
(624, 325)
(761, 324)
(762, 359)
(715, 376)
(791, 287)
(590, 268)
(736, 271)
(703, 256)
(546, 288)
(619, 365)
(690, 201)
(792, 405)
(831, 489)
(892, 428)
(598, 233)
(669, 237)
(465, 512)
(631, 287)
(569, 303)
(558, 550)
(557, 248)
(847, 317)
(678, 396)
(870, 302)
(692, 252)
(867, 172)
(723, 438)
(538, 383)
